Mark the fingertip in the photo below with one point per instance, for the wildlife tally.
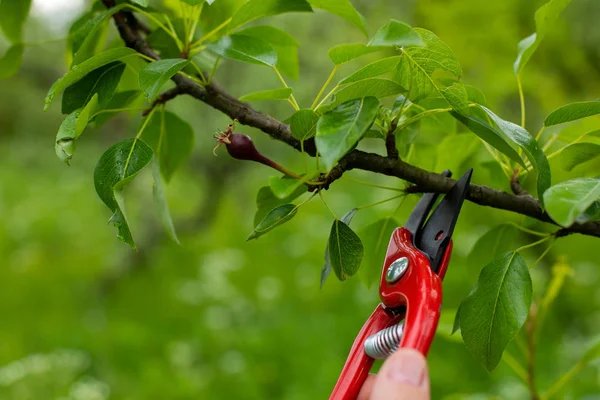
(403, 376)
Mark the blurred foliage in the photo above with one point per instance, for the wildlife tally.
(85, 317)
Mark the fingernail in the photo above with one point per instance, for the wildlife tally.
(408, 369)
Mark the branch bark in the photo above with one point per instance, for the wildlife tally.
(215, 96)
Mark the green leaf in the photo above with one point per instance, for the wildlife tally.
(372, 87)
(475, 95)
(270, 34)
(496, 309)
(495, 242)
(572, 112)
(255, 9)
(80, 71)
(530, 146)
(246, 49)
(343, 9)
(143, 3)
(591, 214)
(85, 40)
(284, 186)
(345, 250)
(339, 130)
(273, 94)
(327, 267)
(343, 53)
(434, 71)
(284, 44)
(372, 70)
(115, 169)
(217, 13)
(490, 135)
(193, 2)
(160, 202)
(303, 124)
(591, 354)
(567, 200)
(396, 34)
(266, 201)
(102, 81)
(273, 219)
(13, 14)
(171, 139)
(155, 74)
(376, 237)
(11, 61)
(578, 153)
(119, 101)
(545, 19)
(72, 127)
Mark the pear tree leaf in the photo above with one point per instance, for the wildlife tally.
(273, 94)
(284, 186)
(72, 127)
(339, 130)
(84, 40)
(421, 68)
(343, 9)
(119, 101)
(78, 72)
(11, 61)
(255, 9)
(578, 153)
(217, 13)
(102, 81)
(372, 87)
(327, 267)
(13, 14)
(266, 201)
(489, 134)
(303, 124)
(496, 309)
(545, 19)
(568, 200)
(160, 202)
(372, 70)
(396, 34)
(277, 216)
(154, 75)
(572, 112)
(117, 167)
(283, 43)
(536, 155)
(490, 246)
(343, 53)
(172, 141)
(345, 250)
(246, 49)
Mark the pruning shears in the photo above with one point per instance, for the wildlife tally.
(410, 288)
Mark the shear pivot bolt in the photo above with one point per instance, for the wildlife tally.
(396, 270)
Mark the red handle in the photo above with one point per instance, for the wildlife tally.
(419, 290)
(358, 364)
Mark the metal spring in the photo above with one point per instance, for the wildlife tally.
(385, 342)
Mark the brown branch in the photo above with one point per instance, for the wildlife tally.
(216, 97)
(390, 141)
(163, 98)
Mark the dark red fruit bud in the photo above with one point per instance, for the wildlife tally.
(241, 147)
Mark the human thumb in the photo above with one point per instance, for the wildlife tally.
(403, 376)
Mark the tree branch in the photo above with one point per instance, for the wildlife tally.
(213, 95)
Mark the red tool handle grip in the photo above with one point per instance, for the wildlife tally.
(358, 364)
(419, 291)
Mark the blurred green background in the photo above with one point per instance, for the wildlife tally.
(85, 317)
